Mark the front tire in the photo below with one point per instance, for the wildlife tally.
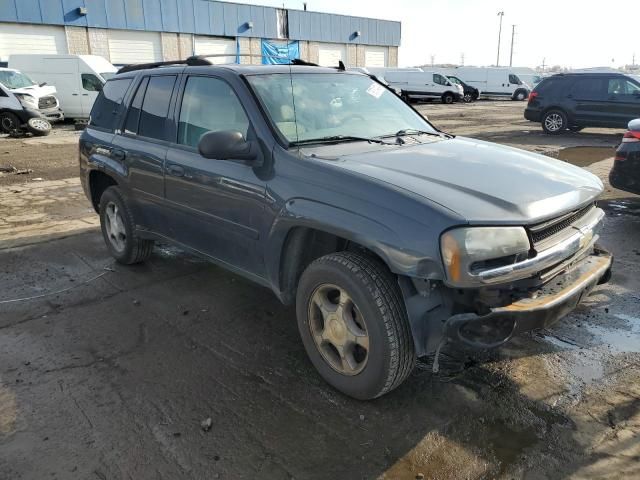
(468, 98)
(520, 95)
(354, 325)
(447, 98)
(554, 122)
(118, 229)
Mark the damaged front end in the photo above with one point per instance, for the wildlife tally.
(492, 303)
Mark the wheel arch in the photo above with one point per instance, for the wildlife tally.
(99, 181)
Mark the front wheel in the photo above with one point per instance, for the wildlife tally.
(468, 98)
(9, 122)
(520, 95)
(554, 122)
(354, 325)
(447, 98)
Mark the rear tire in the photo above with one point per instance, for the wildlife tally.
(447, 98)
(554, 122)
(9, 122)
(342, 289)
(118, 229)
(40, 127)
(405, 97)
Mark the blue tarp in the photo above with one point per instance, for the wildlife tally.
(274, 53)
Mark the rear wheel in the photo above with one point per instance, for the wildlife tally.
(354, 325)
(39, 127)
(554, 122)
(405, 97)
(9, 122)
(118, 229)
(447, 98)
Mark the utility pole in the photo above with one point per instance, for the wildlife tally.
(462, 59)
(433, 59)
(543, 64)
(500, 14)
(513, 34)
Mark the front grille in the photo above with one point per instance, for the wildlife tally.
(47, 102)
(541, 231)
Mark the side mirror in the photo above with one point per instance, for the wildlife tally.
(42, 84)
(227, 145)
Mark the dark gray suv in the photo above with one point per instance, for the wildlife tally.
(390, 236)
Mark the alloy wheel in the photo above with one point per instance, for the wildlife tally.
(338, 329)
(553, 122)
(114, 224)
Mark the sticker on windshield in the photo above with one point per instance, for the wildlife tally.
(375, 90)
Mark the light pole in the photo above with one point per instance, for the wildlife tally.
(513, 33)
(500, 14)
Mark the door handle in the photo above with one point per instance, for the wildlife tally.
(175, 170)
(74, 94)
(118, 154)
(85, 94)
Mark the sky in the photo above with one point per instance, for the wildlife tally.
(570, 33)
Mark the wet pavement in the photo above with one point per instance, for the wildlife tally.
(106, 372)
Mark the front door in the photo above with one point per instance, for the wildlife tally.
(624, 97)
(217, 204)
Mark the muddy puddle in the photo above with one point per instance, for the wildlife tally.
(617, 208)
(583, 156)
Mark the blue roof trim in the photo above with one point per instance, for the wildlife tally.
(205, 17)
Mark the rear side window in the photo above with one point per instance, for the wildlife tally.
(549, 86)
(589, 88)
(108, 104)
(155, 107)
(133, 117)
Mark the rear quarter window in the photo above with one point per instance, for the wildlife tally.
(549, 86)
(108, 105)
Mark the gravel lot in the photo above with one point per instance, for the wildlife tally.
(111, 377)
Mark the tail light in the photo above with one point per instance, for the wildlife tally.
(631, 136)
(532, 96)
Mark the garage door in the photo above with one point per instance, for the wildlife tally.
(25, 38)
(330, 54)
(216, 46)
(127, 46)
(375, 56)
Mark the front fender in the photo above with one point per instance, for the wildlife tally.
(365, 231)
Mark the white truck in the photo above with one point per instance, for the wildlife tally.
(422, 84)
(494, 81)
(77, 78)
(33, 96)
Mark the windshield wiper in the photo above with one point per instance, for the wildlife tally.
(413, 131)
(338, 139)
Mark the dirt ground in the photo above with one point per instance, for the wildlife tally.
(106, 372)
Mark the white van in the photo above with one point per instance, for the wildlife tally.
(33, 96)
(494, 81)
(78, 78)
(423, 85)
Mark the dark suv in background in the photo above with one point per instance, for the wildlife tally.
(573, 101)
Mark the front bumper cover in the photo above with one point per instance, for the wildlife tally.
(551, 302)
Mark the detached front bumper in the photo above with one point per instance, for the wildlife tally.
(549, 304)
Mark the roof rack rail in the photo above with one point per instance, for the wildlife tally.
(203, 60)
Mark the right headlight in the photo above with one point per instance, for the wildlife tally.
(467, 250)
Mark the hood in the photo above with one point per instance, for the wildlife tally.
(483, 182)
(36, 91)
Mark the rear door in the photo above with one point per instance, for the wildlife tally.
(142, 145)
(588, 96)
(624, 97)
(217, 204)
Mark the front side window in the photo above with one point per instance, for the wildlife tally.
(155, 107)
(455, 80)
(622, 86)
(209, 105)
(14, 79)
(514, 79)
(306, 106)
(107, 106)
(91, 83)
(439, 79)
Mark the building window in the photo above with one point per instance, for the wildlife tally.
(282, 22)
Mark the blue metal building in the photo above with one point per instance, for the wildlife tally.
(150, 30)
